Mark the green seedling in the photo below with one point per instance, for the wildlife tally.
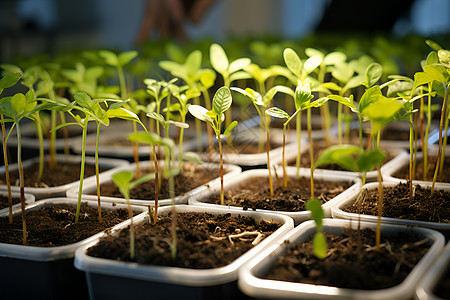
(93, 111)
(221, 103)
(230, 71)
(7, 81)
(319, 239)
(123, 182)
(302, 99)
(259, 101)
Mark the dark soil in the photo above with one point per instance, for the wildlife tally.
(54, 225)
(352, 261)
(443, 176)
(305, 160)
(202, 241)
(255, 194)
(4, 202)
(62, 173)
(424, 207)
(443, 287)
(242, 147)
(190, 178)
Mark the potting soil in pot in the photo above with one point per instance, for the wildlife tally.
(203, 240)
(442, 289)
(396, 204)
(190, 178)
(60, 174)
(54, 226)
(4, 202)
(352, 261)
(255, 194)
(443, 175)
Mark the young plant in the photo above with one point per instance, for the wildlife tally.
(221, 103)
(7, 81)
(122, 180)
(319, 240)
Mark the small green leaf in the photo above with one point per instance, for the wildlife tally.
(343, 100)
(193, 62)
(121, 180)
(142, 179)
(317, 213)
(207, 78)
(311, 64)
(178, 124)
(126, 57)
(293, 62)
(83, 100)
(435, 73)
(302, 95)
(373, 73)
(334, 58)
(370, 160)
(342, 155)
(277, 113)
(433, 45)
(149, 138)
(239, 64)
(18, 104)
(230, 127)
(191, 157)
(9, 80)
(222, 100)
(200, 113)
(109, 57)
(320, 245)
(218, 58)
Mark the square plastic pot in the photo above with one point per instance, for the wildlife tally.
(58, 191)
(201, 199)
(30, 272)
(252, 283)
(337, 210)
(114, 279)
(91, 186)
(29, 199)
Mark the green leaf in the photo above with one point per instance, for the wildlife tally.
(9, 80)
(222, 100)
(343, 71)
(421, 78)
(200, 113)
(314, 52)
(218, 58)
(142, 179)
(381, 111)
(277, 113)
(444, 56)
(343, 155)
(230, 127)
(373, 73)
(125, 114)
(83, 100)
(433, 71)
(191, 157)
(109, 57)
(178, 124)
(239, 76)
(432, 58)
(44, 87)
(343, 100)
(334, 58)
(320, 245)
(149, 138)
(370, 160)
(193, 62)
(317, 213)
(207, 78)
(126, 57)
(239, 64)
(121, 179)
(370, 95)
(18, 104)
(302, 96)
(156, 116)
(293, 62)
(433, 45)
(311, 64)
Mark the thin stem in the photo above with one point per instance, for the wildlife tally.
(123, 86)
(41, 148)
(311, 149)
(441, 124)
(411, 157)
(5, 159)
(83, 159)
(97, 174)
(135, 147)
(427, 131)
(268, 161)
(198, 128)
(444, 143)
(22, 184)
(155, 160)
(380, 210)
(284, 156)
(339, 119)
(298, 121)
(52, 139)
(222, 201)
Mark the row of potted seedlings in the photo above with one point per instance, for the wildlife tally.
(258, 209)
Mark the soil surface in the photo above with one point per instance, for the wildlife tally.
(443, 287)
(255, 194)
(305, 160)
(443, 176)
(203, 241)
(396, 204)
(352, 261)
(54, 225)
(62, 173)
(4, 202)
(242, 147)
(191, 177)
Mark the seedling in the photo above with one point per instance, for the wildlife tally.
(319, 239)
(123, 181)
(221, 103)
(7, 81)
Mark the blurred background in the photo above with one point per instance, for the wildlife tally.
(29, 27)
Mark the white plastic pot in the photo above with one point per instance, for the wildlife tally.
(91, 185)
(57, 191)
(201, 198)
(44, 272)
(431, 278)
(110, 278)
(29, 199)
(252, 283)
(338, 212)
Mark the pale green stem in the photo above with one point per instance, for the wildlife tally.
(284, 156)
(83, 160)
(22, 183)
(5, 159)
(97, 174)
(198, 128)
(298, 121)
(41, 147)
(339, 120)
(268, 161)
(53, 139)
(427, 131)
(311, 149)
(444, 143)
(135, 147)
(411, 157)
(222, 201)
